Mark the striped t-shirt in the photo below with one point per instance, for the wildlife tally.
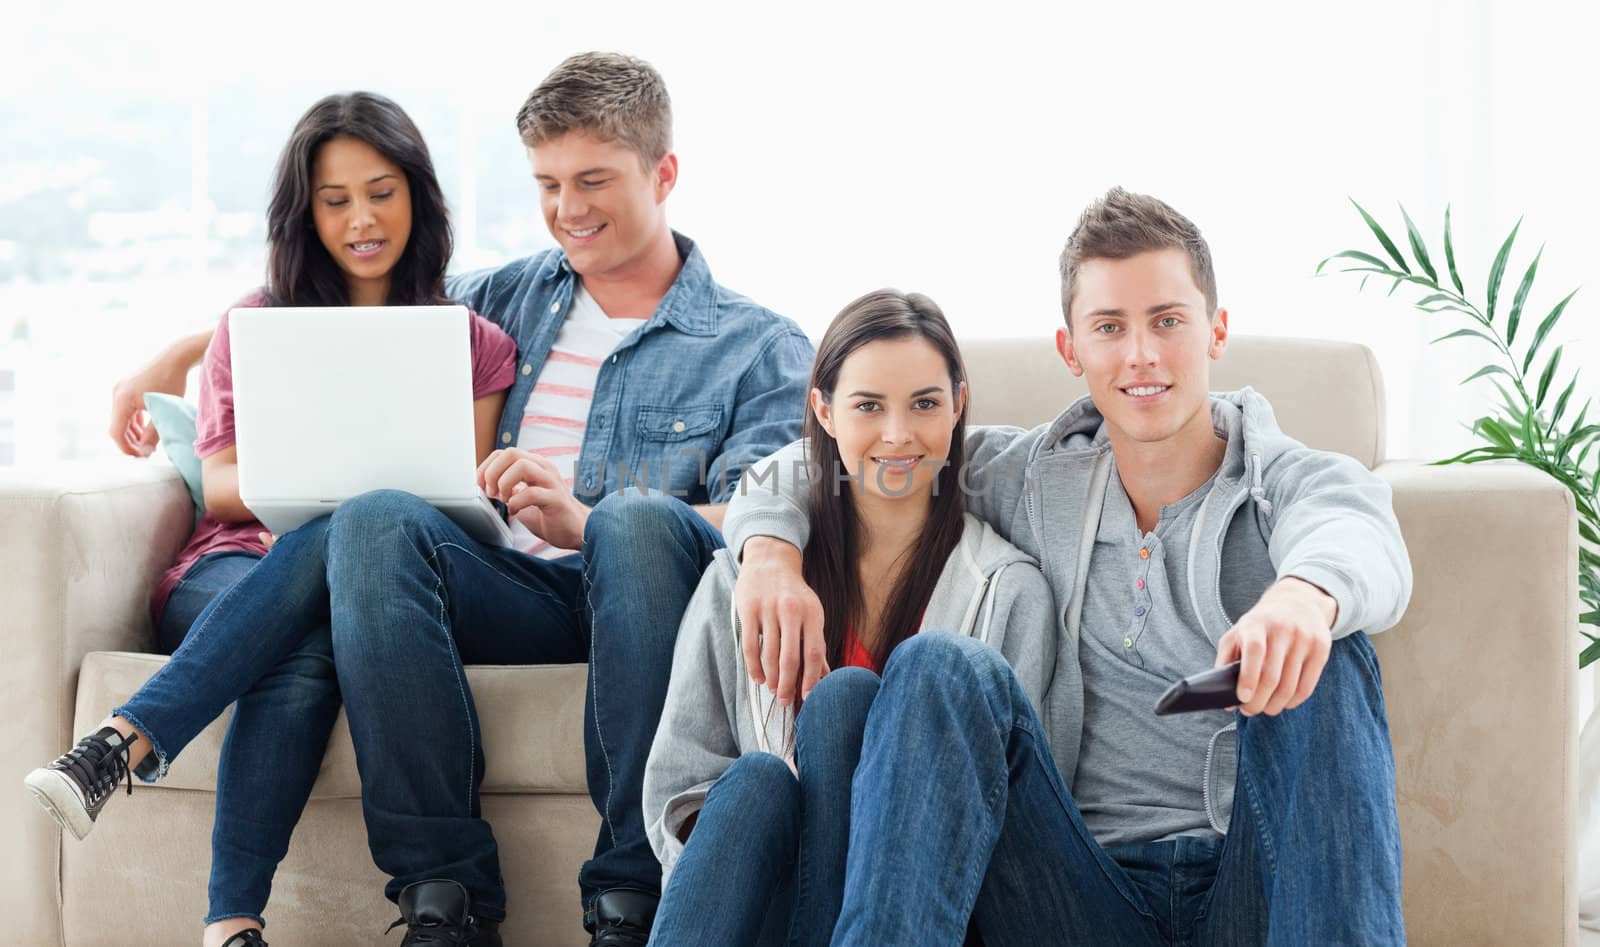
(558, 410)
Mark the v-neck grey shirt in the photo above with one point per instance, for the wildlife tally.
(1139, 776)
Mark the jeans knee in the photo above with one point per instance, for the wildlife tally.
(1351, 685)
(937, 657)
(759, 781)
(363, 518)
(952, 669)
(637, 520)
(843, 698)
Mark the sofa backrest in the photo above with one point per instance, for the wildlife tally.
(1329, 395)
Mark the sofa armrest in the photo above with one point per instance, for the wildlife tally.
(79, 556)
(1480, 682)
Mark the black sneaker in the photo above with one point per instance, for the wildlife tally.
(77, 785)
(249, 937)
(622, 918)
(438, 913)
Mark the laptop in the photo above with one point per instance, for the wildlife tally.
(330, 403)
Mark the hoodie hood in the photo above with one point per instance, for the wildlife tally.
(958, 600)
(1081, 428)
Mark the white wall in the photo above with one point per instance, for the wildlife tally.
(828, 149)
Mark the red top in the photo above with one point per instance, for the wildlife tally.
(856, 654)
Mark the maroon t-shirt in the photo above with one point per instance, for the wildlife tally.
(494, 357)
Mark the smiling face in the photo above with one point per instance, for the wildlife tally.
(1143, 340)
(361, 207)
(892, 413)
(600, 202)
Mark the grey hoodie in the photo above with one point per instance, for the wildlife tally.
(715, 712)
(1326, 518)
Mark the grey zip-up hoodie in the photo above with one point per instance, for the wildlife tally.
(1325, 517)
(715, 712)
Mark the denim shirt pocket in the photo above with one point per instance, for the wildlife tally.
(676, 446)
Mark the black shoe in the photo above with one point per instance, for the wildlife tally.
(245, 938)
(78, 784)
(438, 913)
(622, 918)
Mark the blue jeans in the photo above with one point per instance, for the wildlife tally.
(403, 598)
(783, 837)
(414, 599)
(276, 667)
(208, 577)
(955, 753)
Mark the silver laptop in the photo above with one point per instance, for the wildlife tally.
(331, 403)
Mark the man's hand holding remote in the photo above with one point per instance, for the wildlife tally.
(1281, 645)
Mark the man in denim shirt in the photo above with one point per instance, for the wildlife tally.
(661, 379)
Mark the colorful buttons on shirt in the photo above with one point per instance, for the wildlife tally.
(1127, 642)
(1138, 583)
(1144, 553)
(1139, 611)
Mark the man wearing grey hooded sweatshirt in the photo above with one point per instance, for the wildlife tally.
(1178, 530)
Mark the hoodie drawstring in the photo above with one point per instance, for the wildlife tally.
(1258, 493)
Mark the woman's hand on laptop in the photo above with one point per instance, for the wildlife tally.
(534, 491)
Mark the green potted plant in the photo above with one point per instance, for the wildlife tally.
(1536, 421)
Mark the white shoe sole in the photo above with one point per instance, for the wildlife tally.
(59, 796)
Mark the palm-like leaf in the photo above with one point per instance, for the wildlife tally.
(1497, 270)
(1524, 430)
(1450, 254)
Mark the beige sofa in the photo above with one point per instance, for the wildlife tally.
(1479, 680)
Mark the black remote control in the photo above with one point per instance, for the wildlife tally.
(1208, 690)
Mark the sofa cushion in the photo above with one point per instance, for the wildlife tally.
(174, 420)
(532, 719)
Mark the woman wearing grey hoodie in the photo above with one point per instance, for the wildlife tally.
(741, 788)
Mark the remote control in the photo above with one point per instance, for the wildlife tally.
(1208, 690)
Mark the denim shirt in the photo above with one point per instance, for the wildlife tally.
(709, 384)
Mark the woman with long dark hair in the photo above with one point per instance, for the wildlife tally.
(356, 218)
(749, 804)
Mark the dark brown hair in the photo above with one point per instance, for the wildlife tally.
(832, 555)
(614, 97)
(1122, 224)
(300, 271)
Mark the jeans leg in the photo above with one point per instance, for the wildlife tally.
(240, 637)
(272, 751)
(642, 560)
(958, 807)
(1313, 851)
(828, 736)
(270, 759)
(414, 599)
(741, 852)
(210, 576)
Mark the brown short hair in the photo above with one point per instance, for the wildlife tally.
(612, 96)
(1122, 224)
